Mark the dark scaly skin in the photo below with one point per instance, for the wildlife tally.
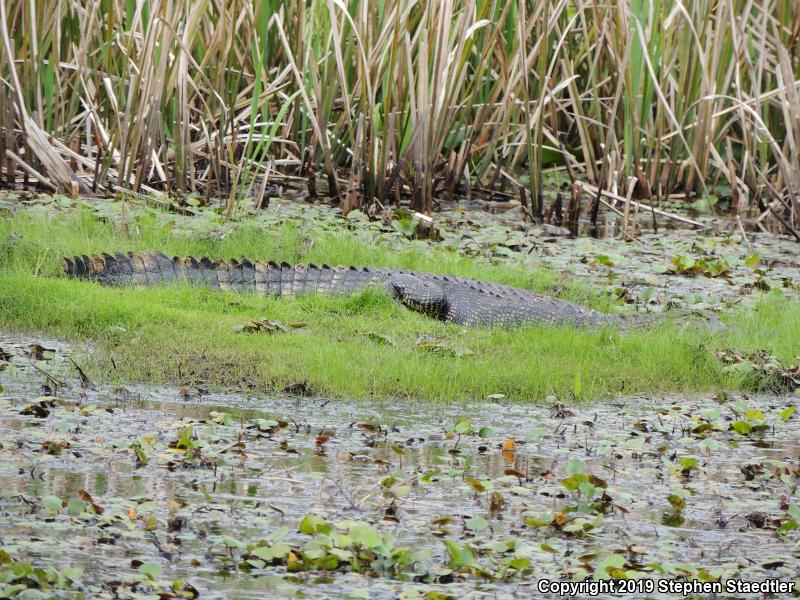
(453, 299)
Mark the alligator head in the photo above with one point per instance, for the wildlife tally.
(417, 294)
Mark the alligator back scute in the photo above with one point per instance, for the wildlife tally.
(285, 277)
(110, 264)
(311, 285)
(194, 271)
(364, 278)
(236, 276)
(181, 273)
(273, 278)
(208, 270)
(124, 269)
(86, 266)
(300, 279)
(69, 266)
(223, 275)
(325, 279)
(150, 267)
(295, 279)
(81, 268)
(92, 267)
(260, 277)
(166, 267)
(182, 269)
(337, 279)
(248, 270)
(138, 274)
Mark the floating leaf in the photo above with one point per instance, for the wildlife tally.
(741, 427)
(475, 484)
(151, 570)
(462, 425)
(311, 524)
(535, 434)
(366, 535)
(52, 504)
(603, 259)
(677, 502)
(752, 260)
(705, 204)
(477, 523)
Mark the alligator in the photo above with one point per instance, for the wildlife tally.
(448, 298)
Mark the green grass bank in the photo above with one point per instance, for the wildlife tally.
(361, 346)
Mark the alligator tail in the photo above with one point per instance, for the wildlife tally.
(150, 268)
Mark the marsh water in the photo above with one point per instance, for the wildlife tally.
(138, 487)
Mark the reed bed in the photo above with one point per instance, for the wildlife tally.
(405, 101)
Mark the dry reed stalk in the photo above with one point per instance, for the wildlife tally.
(184, 95)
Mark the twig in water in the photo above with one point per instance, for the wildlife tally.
(56, 382)
(617, 198)
(744, 234)
(85, 381)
